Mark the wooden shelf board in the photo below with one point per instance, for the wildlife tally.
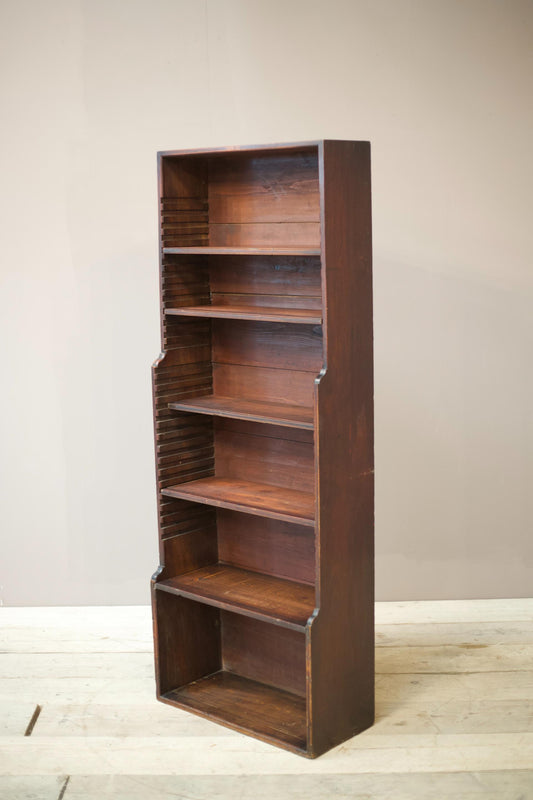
(273, 600)
(305, 316)
(270, 714)
(260, 499)
(244, 251)
(253, 410)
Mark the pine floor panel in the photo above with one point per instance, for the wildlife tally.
(481, 715)
(463, 786)
(150, 719)
(423, 690)
(465, 657)
(52, 691)
(76, 665)
(229, 755)
(454, 633)
(458, 611)
(454, 714)
(15, 717)
(32, 787)
(92, 629)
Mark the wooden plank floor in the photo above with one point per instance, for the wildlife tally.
(78, 718)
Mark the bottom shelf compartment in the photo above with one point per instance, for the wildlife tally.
(244, 673)
(246, 705)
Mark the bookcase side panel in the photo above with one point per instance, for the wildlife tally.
(342, 635)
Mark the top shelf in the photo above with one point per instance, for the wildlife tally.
(243, 251)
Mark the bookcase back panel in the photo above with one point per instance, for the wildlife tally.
(262, 234)
(264, 653)
(264, 456)
(258, 429)
(259, 301)
(264, 187)
(262, 344)
(281, 549)
(283, 276)
(262, 383)
(241, 200)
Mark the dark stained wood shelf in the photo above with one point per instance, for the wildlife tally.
(253, 594)
(243, 251)
(254, 410)
(247, 706)
(272, 235)
(305, 316)
(261, 499)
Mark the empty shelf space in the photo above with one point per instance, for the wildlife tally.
(260, 499)
(253, 594)
(245, 251)
(306, 316)
(271, 714)
(254, 410)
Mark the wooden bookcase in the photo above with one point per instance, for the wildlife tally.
(263, 403)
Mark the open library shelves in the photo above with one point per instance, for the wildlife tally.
(263, 415)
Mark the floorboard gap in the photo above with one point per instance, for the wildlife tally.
(33, 720)
(64, 788)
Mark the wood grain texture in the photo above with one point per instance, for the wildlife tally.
(178, 620)
(264, 384)
(279, 661)
(279, 301)
(262, 458)
(270, 714)
(342, 665)
(90, 670)
(261, 596)
(496, 785)
(267, 312)
(303, 316)
(256, 344)
(276, 548)
(16, 717)
(244, 251)
(191, 550)
(264, 187)
(262, 652)
(184, 448)
(282, 276)
(251, 498)
(298, 235)
(378, 755)
(254, 410)
(32, 787)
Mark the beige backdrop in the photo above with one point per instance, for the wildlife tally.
(90, 89)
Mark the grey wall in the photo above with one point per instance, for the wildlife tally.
(90, 89)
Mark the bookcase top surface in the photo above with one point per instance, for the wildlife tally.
(307, 145)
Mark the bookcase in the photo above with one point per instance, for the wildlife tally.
(263, 603)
